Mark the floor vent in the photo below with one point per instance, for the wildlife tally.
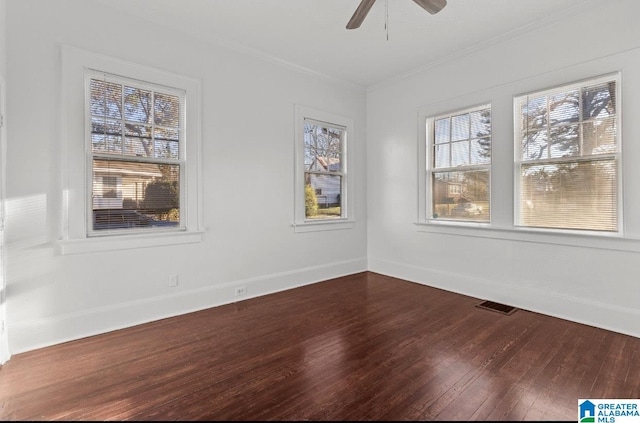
(500, 308)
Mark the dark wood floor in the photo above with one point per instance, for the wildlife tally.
(362, 347)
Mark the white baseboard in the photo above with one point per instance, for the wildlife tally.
(580, 310)
(40, 333)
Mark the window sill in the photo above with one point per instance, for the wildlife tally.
(124, 242)
(604, 241)
(323, 225)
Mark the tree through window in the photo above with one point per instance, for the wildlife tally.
(567, 156)
(136, 132)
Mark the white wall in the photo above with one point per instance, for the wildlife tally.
(3, 37)
(4, 350)
(247, 133)
(586, 279)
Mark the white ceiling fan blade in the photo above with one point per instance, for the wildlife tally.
(360, 14)
(432, 6)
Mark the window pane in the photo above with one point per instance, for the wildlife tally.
(460, 153)
(166, 143)
(442, 155)
(106, 99)
(137, 105)
(442, 130)
(564, 107)
(480, 123)
(323, 196)
(599, 137)
(461, 195)
(460, 127)
(534, 145)
(138, 141)
(166, 149)
(167, 110)
(565, 141)
(598, 101)
(106, 135)
(135, 195)
(481, 151)
(535, 113)
(581, 195)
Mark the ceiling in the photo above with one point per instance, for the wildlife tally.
(311, 34)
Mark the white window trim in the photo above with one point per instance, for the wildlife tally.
(75, 180)
(518, 162)
(301, 224)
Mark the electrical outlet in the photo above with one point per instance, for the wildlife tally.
(173, 280)
(241, 290)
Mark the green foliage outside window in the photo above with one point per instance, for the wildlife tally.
(310, 201)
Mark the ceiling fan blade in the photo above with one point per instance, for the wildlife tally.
(432, 6)
(360, 14)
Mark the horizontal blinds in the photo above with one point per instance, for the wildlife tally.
(567, 157)
(135, 137)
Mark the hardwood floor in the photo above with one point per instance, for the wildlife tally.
(361, 347)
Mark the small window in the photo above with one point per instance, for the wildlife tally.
(135, 140)
(322, 182)
(459, 165)
(323, 171)
(567, 157)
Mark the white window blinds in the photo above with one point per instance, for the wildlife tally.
(567, 157)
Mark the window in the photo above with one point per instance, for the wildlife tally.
(458, 165)
(323, 171)
(135, 139)
(567, 155)
(322, 183)
(131, 155)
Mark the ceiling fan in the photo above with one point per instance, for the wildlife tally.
(431, 6)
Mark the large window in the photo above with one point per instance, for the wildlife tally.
(135, 139)
(567, 155)
(322, 182)
(130, 155)
(459, 163)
